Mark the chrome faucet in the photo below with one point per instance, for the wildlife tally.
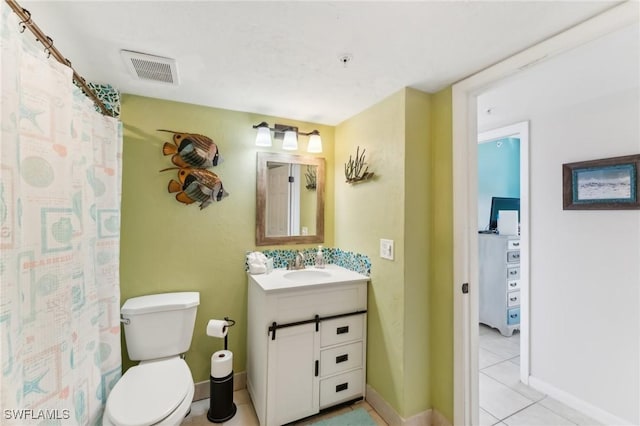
(297, 263)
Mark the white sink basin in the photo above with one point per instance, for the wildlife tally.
(306, 275)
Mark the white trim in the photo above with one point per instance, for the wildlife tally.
(582, 406)
(392, 418)
(464, 95)
(521, 131)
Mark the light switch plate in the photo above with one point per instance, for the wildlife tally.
(386, 249)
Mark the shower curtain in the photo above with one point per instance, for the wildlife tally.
(60, 186)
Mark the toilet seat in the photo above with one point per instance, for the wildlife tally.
(149, 392)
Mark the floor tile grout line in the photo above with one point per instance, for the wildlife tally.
(558, 414)
(544, 395)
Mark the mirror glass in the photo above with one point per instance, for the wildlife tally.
(289, 199)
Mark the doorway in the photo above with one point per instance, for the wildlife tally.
(465, 271)
(503, 264)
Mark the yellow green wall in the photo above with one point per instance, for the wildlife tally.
(168, 246)
(441, 254)
(366, 212)
(410, 336)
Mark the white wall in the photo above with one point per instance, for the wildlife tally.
(585, 273)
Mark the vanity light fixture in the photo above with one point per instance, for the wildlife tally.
(290, 141)
(289, 136)
(263, 138)
(315, 142)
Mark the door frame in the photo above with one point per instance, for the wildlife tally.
(521, 131)
(464, 129)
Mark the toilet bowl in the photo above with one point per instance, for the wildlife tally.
(159, 390)
(152, 393)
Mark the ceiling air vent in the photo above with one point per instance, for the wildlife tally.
(149, 67)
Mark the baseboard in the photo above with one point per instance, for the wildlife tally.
(203, 389)
(426, 418)
(576, 403)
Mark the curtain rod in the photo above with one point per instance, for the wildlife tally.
(47, 42)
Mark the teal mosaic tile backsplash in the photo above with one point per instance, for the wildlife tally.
(353, 261)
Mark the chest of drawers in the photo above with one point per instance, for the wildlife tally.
(499, 281)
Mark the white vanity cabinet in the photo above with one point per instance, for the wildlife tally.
(306, 342)
(499, 282)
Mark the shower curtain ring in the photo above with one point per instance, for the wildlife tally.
(47, 48)
(23, 24)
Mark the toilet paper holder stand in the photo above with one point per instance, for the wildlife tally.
(230, 323)
(221, 405)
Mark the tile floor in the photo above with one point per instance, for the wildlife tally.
(504, 400)
(246, 415)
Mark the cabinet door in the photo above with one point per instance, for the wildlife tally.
(292, 383)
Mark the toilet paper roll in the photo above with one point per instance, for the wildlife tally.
(221, 364)
(217, 328)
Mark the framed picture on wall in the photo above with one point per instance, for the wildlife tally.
(605, 184)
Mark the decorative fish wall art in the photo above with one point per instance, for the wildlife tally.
(191, 150)
(192, 154)
(196, 185)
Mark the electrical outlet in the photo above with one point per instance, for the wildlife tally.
(386, 249)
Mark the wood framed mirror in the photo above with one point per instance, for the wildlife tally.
(289, 199)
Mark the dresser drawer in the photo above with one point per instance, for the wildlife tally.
(513, 298)
(341, 388)
(341, 330)
(341, 358)
(513, 316)
(513, 244)
(513, 256)
(513, 285)
(513, 273)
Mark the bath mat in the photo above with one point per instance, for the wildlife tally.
(358, 417)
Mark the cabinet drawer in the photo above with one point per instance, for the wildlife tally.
(341, 330)
(513, 256)
(341, 358)
(513, 244)
(341, 388)
(513, 316)
(513, 285)
(513, 298)
(513, 273)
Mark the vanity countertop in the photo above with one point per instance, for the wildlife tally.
(284, 279)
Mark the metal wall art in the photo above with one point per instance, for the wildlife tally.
(192, 154)
(356, 170)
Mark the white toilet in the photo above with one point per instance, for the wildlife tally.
(159, 390)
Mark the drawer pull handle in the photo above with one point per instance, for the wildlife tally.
(342, 358)
(516, 244)
(513, 272)
(513, 299)
(514, 315)
(341, 387)
(512, 284)
(342, 330)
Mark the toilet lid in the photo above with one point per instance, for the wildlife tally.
(147, 393)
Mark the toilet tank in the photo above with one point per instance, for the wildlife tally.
(159, 325)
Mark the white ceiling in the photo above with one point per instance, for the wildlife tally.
(282, 58)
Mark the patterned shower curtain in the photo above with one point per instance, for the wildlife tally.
(59, 241)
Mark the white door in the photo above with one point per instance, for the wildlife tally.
(277, 223)
(292, 379)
